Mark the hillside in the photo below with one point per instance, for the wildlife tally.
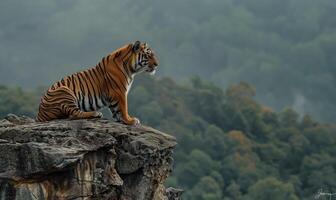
(229, 145)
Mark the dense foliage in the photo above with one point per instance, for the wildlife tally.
(286, 48)
(18, 101)
(229, 146)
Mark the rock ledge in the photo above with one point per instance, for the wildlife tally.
(83, 159)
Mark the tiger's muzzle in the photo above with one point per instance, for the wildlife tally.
(152, 66)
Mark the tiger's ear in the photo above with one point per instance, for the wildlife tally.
(136, 46)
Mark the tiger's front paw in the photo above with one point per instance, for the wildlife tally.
(98, 115)
(136, 121)
(133, 121)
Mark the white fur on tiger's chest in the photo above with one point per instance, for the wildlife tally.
(129, 87)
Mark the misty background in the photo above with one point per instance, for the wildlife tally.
(286, 49)
(246, 86)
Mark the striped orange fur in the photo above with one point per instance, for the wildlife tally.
(81, 94)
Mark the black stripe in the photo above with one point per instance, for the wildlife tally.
(91, 102)
(89, 96)
(115, 82)
(101, 67)
(44, 116)
(97, 93)
(128, 71)
(101, 77)
(106, 82)
(120, 68)
(82, 95)
(105, 61)
(117, 54)
(73, 84)
(130, 49)
(100, 70)
(52, 111)
(128, 55)
(59, 98)
(68, 82)
(97, 77)
(126, 77)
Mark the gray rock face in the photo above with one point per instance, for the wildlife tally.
(83, 159)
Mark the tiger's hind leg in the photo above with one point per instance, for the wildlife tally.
(72, 111)
(66, 102)
(76, 113)
(51, 102)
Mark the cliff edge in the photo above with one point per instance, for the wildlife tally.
(83, 159)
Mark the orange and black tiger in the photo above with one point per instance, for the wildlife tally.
(80, 95)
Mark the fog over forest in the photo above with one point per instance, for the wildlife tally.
(286, 49)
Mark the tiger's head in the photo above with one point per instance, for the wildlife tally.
(145, 58)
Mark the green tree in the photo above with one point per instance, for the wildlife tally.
(17, 101)
(207, 189)
(233, 191)
(271, 188)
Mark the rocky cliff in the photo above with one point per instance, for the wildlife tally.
(83, 159)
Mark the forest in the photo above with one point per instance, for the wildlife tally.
(229, 145)
(284, 48)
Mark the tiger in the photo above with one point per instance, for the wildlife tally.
(82, 94)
